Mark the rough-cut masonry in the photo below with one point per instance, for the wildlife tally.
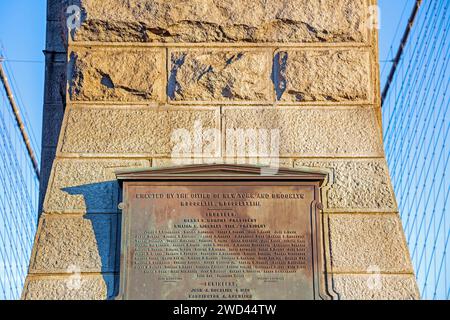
(303, 131)
(259, 161)
(84, 287)
(310, 131)
(148, 130)
(58, 247)
(169, 82)
(83, 186)
(223, 21)
(362, 242)
(370, 287)
(117, 75)
(357, 185)
(218, 75)
(323, 75)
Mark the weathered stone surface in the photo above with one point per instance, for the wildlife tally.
(364, 243)
(75, 244)
(323, 75)
(272, 162)
(86, 186)
(376, 287)
(132, 130)
(220, 75)
(56, 40)
(358, 185)
(305, 71)
(47, 158)
(86, 287)
(223, 21)
(55, 82)
(57, 9)
(308, 131)
(53, 118)
(112, 74)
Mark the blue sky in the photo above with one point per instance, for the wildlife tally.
(22, 35)
(22, 38)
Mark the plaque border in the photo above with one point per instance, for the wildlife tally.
(231, 174)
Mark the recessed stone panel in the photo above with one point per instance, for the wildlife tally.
(323, 75)
(86, 186)
(357, 185)
(75, 244)
(112, 74)
(302, 131)
(220, 75)
(224, 21)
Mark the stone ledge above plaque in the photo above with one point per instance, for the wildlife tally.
(222, 232)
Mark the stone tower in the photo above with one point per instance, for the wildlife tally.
(133, 72)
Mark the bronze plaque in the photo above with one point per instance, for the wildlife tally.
(237, 237)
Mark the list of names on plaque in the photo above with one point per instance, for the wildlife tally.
(220, 242)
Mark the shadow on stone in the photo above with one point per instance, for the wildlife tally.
(278, 73)
(102, 197)
(101, 200)
(173, 87)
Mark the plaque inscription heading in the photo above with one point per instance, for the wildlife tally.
(221, 232)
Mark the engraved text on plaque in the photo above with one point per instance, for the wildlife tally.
(203, 239)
